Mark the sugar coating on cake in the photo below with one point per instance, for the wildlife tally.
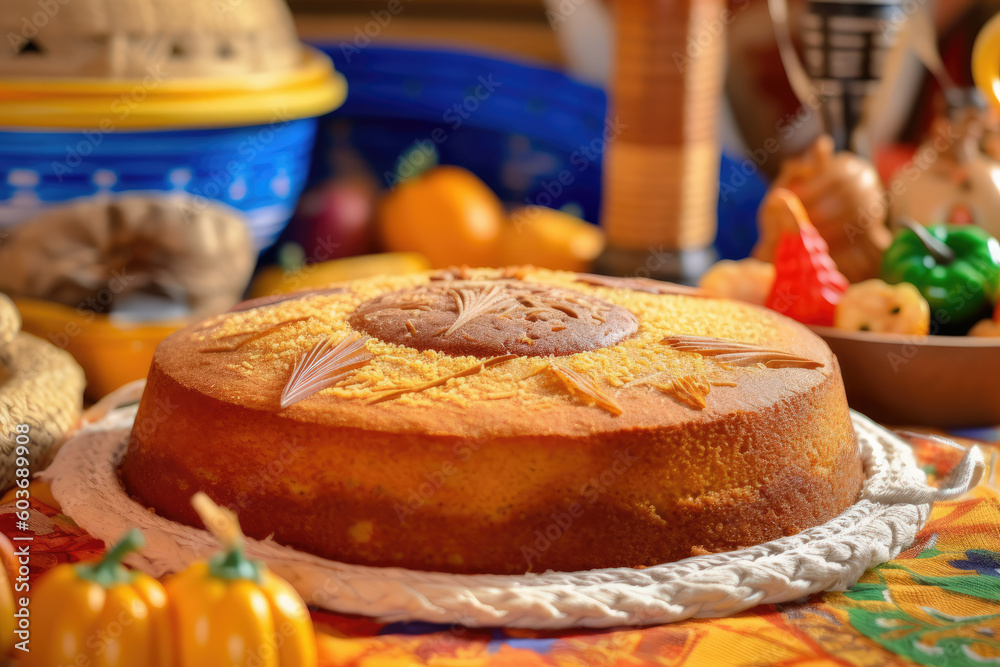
(722, 424)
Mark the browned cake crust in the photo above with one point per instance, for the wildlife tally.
(651, 442)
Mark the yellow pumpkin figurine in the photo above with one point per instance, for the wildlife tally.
(99, 614)
(875, 305)
(232, 611)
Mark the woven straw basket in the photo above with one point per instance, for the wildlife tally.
(122, 38)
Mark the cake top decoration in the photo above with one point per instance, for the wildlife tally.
(487, 318)
(323, 366)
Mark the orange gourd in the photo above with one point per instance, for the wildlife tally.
(446, 214)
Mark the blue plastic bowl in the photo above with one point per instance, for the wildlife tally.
(259, 170)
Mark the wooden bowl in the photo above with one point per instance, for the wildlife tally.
(919, 380)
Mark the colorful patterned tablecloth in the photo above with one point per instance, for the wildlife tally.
(938, 603)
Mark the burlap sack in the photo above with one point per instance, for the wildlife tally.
(91, 253)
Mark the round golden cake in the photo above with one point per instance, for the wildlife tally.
(498, 421)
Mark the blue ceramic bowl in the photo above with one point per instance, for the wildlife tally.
(259, 170)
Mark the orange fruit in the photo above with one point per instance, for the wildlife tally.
(446, 214)
(550, 239)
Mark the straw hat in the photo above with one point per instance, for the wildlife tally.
(122, 38)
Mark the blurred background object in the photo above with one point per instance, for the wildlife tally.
(294, 275)
(577, 37)
(585, 30)
(103, 254)
(108, 278)
(535, 136)
(961, 185)
(845, 47)
(661, 137)
(773, 123)
(509, 28)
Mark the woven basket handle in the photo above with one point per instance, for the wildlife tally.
(961, 479)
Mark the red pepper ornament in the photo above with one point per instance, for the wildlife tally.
(807, 285)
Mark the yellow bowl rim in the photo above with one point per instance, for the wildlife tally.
(314, 65)
(312, 91)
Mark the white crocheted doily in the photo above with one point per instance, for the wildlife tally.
(894, 505)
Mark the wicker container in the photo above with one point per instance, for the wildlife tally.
(661, 173)
(120, 39)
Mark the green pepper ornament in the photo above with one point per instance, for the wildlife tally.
(955, 267)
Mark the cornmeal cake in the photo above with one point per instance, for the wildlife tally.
(498, 421)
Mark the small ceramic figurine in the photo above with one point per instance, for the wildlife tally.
(747, 280)
(807, 285)
(950, 178)
(845, 201)
(988, 328)
(875, 305)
